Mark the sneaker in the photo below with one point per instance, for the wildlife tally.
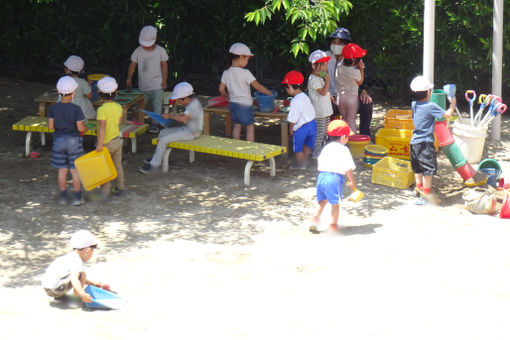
(147, 169)
(78, 201)
(334, 227)
(120, 193)
(154, 129)
(62, 199)
(418, 192)
(313, 226)
(147, 161)
(297, 166)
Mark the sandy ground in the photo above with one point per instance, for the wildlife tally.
(199, 255)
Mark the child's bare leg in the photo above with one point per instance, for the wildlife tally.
(62, 179)
(306, 153)
(76, 180)
(236, 131)
(419, 180)
(300, 157)
(427, 184)
(335, 212)
(250, 133)
(83, 280)
(319, 210)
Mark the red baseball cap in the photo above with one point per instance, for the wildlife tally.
(351, 51)
(339, 127)
(293, 78)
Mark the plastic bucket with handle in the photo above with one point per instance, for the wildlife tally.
(470, 139)
(265, 102)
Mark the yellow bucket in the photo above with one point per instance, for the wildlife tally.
(95, 168)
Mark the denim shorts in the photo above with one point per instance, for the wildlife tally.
(424, 158)
(305, 135)
(66, 149)
(241, 114)
(330, 187)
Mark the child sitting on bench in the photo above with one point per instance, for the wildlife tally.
(193, 118)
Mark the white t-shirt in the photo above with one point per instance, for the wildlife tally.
(82, 101)
(62, 267)
(335, 157)
(346, 79)
(196, 113)
(238, 82)
(301, 110)
(321, 104)
(149, 67)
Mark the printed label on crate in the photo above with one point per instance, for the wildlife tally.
(398, 149)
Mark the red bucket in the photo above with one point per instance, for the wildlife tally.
(505, 208)
(466, 171)
(443, 133)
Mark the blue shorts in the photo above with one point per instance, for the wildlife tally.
(329, 187)
(241, 114)
(305, 135)
(66, 149)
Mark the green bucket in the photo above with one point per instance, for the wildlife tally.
(439, 97)
(454, 155)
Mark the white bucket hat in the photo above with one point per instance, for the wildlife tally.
(421, 83)
(74, 63)
(148, 36)
(66, 85)
(318, 56)
(107, 85)
(240, 49)
(182, 90)
(82, 239)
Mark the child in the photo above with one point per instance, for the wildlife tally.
(302, 119)
(318, 85)
(152, 63)
(335, 162)
(237, 80)
(67, 271)
(67, 119)
(109, 117)
(193, 118)
(349, 76)
(73, 66)
(423, 152)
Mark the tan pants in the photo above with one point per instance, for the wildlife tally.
(115, 148)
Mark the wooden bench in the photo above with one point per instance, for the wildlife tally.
(250, 151)
(39, 124)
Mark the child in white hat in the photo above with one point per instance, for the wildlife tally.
(318, 91)
(152, 61)
(235, 86)
(109, 117)
(73, 67)
(68, 272)
(193, 118)
(67, 120)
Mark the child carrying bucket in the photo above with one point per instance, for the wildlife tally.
(334, 163)
(423, 152)
(235, 86)
(67, 271)
(73, 67)
(318, 86)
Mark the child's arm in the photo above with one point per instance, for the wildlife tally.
(352, 182)
(81, 127)
(164, 72)
(453, 103)
(323, 91)
(98, 284)
(51, 123)
(131, 71)
(291, 129)
(361, 67)
(179, 118)
(100, 135)
(223, 90)
(78, 288)
(259, 87)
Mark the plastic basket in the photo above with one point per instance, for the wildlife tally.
(399, 119)
(393, 172)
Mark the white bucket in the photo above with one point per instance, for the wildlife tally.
(470, 140)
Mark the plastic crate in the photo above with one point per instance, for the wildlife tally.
(399, 119)
(95, 168)
(393, 172)
(397, 141)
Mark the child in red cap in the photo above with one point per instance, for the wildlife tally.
(302, 119)
(350, 74)
(334, 163)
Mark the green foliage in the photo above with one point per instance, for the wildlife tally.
(311, 18)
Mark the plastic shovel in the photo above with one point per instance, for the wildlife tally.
(499, 111)
(450, 93)
(470, 99)
(483, 100)
(495, 101)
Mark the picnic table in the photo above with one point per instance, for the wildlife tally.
(125, 99)
(278, 117)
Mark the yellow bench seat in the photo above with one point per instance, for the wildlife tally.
(250, 151)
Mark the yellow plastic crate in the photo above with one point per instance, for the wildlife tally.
(399, 119)
(393, 172)
(95, 168)
(397, 141)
